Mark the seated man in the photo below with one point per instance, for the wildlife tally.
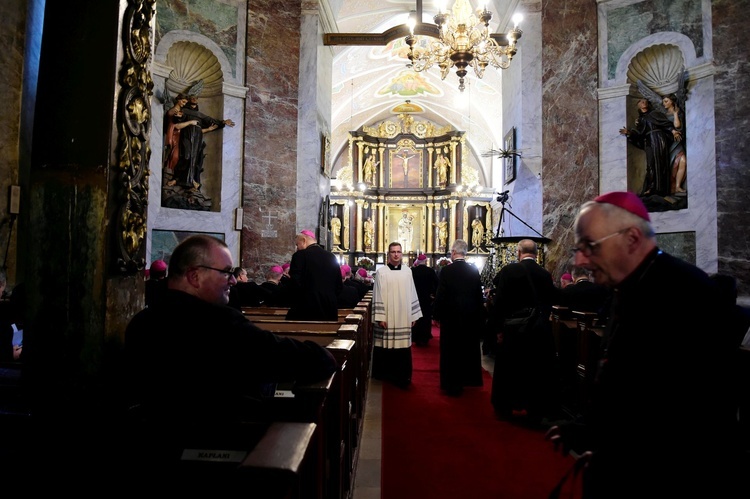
(247, 294)
(278, 294)
(355, 280)
(192, 359)
(584, 295)
(348, 297)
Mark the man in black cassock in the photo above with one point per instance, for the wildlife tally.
(426, 282)
(524, 378)
(459, 306)
(315, 281)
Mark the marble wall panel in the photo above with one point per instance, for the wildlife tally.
(627, 22)
(732, 116)
(570, 171)
(217, 20)
(271, 141)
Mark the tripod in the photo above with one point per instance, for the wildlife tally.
(503, 198)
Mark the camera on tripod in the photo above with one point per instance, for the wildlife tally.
(503, 197)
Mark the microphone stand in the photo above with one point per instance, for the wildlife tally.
(504, 199)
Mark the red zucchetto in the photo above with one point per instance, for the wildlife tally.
(627, 201)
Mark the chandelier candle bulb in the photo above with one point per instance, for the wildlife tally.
(463, 40)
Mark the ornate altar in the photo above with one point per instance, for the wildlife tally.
(408, 181)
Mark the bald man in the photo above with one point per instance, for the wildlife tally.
(315, 281)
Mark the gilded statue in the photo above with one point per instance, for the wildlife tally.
(336, 230)
(370, 169)
(442, 233)
(477, 233)
(369, 230)
(442, 164)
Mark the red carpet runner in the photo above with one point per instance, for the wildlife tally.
(444, 447)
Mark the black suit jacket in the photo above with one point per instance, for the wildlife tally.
(188, 359)
(459, 300)
(316, 283)
(426, 283)
(348, 297)
(513, 291)
(585, 296)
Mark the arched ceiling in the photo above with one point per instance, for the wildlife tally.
(369, 82)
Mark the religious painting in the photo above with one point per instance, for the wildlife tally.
(325, 155)
(163, 242)
(405, 225)
(405, 168)
(509, 144)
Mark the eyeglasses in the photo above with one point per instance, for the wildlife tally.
(587, 248)
(228, 273)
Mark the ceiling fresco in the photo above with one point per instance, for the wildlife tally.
(373, 83)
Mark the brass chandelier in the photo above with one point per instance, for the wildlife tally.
(463, 40)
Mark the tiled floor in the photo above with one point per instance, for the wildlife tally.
(367, 477)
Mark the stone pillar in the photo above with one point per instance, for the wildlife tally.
(85, 252)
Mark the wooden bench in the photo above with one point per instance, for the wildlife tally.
(361, 315)
(276, 458)
(588, 344)
(565, 333)
(328, 404)
(264, 317)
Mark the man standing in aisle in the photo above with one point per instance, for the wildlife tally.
(426, 283)
(459, 307)
(525, 377)
(395, 308)
(315, 281)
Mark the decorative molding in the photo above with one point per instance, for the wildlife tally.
(134, 127)
(422, 129)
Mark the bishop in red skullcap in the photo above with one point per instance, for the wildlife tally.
(627, 201)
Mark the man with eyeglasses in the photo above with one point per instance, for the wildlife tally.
(662, 418)
(191, 358)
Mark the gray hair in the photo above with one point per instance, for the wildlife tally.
(460, 246)
(616, 216)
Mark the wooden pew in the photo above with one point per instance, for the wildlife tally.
(335, 336)
(359, 315)
(277, 458)
(565, 331)
(744, 398)
(328, 404)
(589, 339)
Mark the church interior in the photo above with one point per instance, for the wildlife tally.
(323, 119)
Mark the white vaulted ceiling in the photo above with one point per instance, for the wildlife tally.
(370, 81)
